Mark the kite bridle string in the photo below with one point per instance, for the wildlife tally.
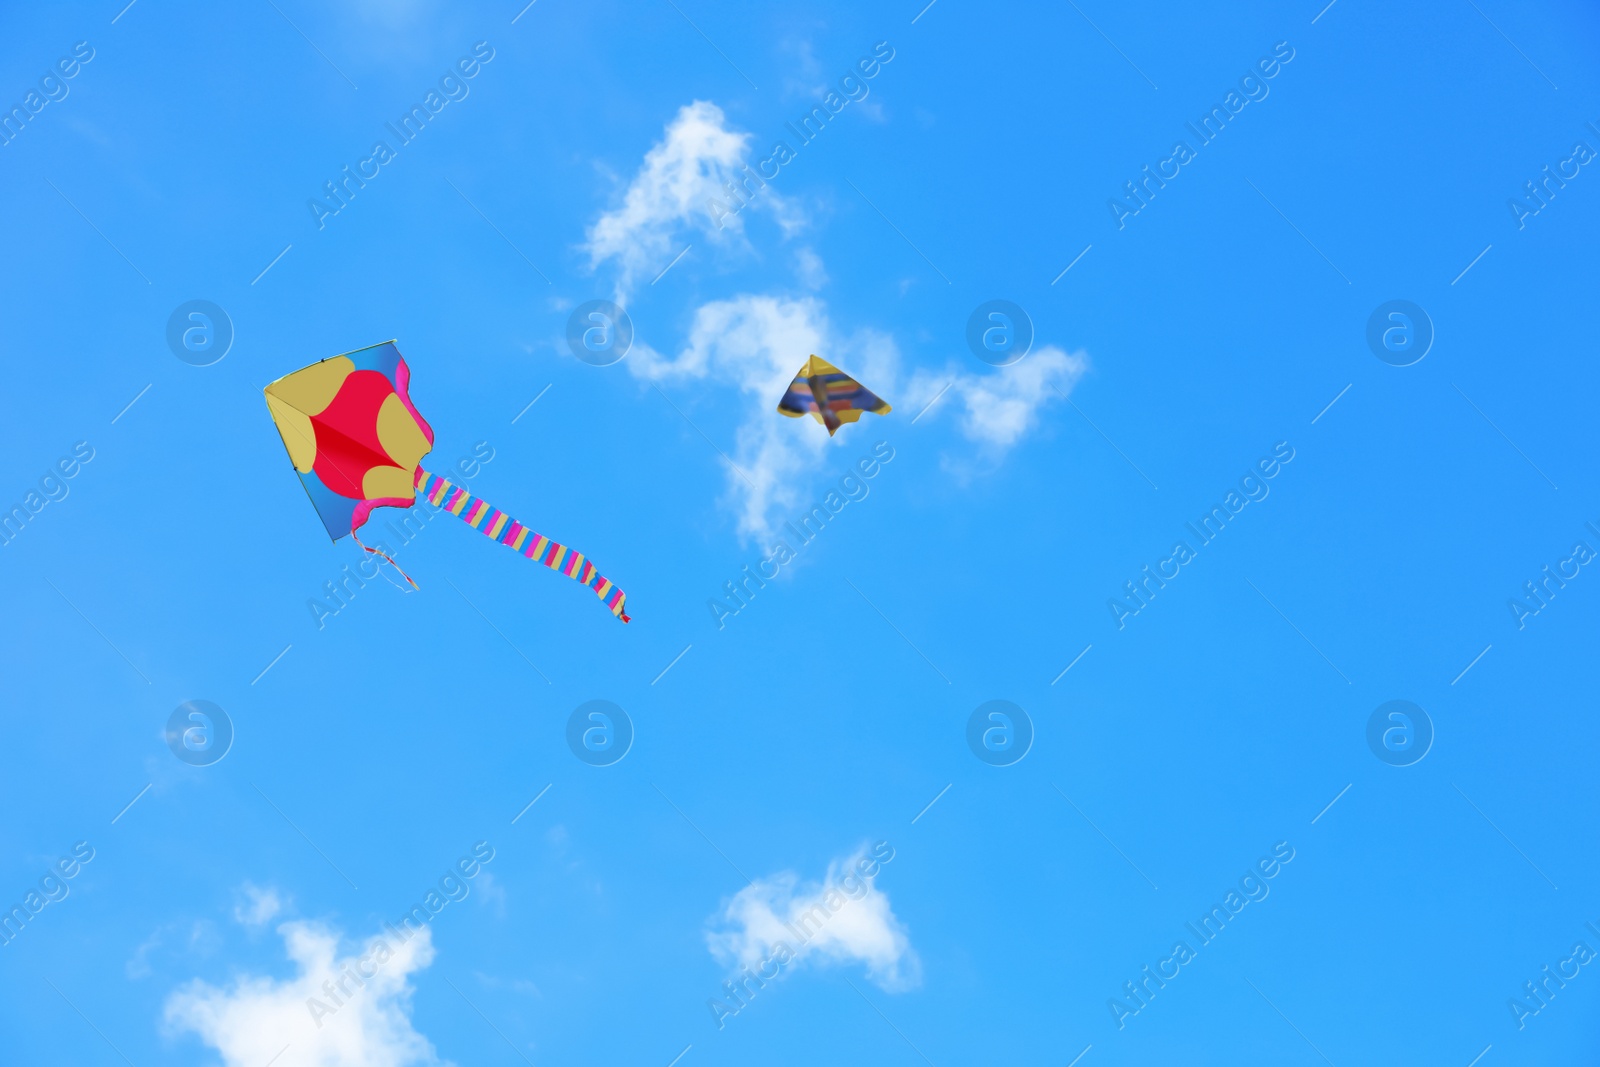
(386, 556)
(353, 533)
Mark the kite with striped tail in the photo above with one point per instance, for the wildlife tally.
(357, 442)
(493, 522)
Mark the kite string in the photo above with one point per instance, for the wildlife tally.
(386, 556)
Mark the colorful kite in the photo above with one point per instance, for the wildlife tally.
(829, 395)
(357, 442)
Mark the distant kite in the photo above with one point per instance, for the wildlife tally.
(829, 395)
(357, 442)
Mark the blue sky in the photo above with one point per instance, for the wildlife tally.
(808, 754)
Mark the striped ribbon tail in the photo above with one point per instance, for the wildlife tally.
(495, 523)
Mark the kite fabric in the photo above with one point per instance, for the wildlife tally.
(352, 433)
(496, 524)
(829, 395)
(357, 442)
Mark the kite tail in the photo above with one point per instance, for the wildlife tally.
(385, 555)
(508, 531)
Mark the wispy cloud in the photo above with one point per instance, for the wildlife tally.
(257, 906)
(755, 344)
(692, 165)
(198, 939)
(999, 407)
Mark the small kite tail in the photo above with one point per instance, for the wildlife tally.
(386, 556)
(492, 522)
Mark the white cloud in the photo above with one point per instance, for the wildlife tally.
(756, 344)
(1000, 406)
(844, 919)
(259, 906)
(675, 187)
(364, 1025)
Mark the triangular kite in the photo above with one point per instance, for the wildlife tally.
(829, 395)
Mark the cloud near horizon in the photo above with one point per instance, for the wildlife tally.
(259, 1017)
